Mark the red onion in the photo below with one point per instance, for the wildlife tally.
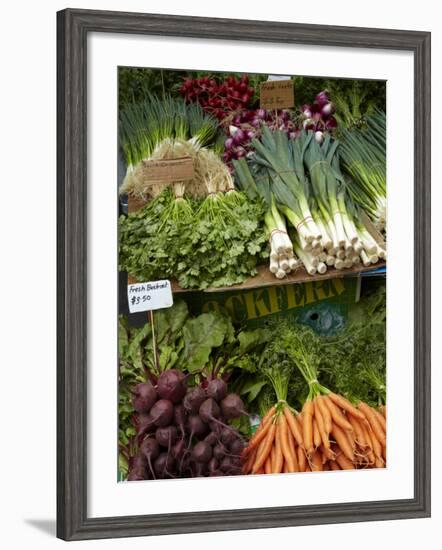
(330, 123)
(306, 111)
(228, 143)
(328, 109)
(322, 98)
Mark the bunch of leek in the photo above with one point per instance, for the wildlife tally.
(363, 152)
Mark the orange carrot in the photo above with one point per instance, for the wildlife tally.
(260, 471)
(263, 424)
(383, 410)
(344, 462)
(307, 426)
(316, 435)
(320, 424)
(285, 447)
(264, 448)
(370, 454)
(325, 413)
(285, 468)
(342, 441)
(377, 446)
(359, 432)
(337, 415)
(373, 421)
(292, 445)
(279, 457)
(345, 404)
(302, 462)
(316, 462)
(381, 419)
(247, 467)
(379, 463)
(333, 465)
(294, 426)
(254, 443)
(268, 465)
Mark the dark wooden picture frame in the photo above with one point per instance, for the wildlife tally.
(73, 27)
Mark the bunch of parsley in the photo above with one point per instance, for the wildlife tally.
(206, 251)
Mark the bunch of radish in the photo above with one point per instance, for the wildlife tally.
(184, 432)
(218, 98)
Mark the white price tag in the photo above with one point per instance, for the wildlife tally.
(278, 77)
(149, 296)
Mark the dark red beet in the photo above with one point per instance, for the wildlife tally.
(209, 410)
(178, 449)
(226, 464)
(144, 423)
(197, 426)
(137, 468)
(232, 406)
(162, 413)
(217, 389)
(179, 417)
(193, 399)
(144, 396)
(212, 438)
(171, 385)
(213, 465)
(167, 436)
(163, 464)
(149, 448)
(217, 426)
(227, 436)
(199, 469)
(136, 475)
(219, 452)
(202, 452)
(236, 448)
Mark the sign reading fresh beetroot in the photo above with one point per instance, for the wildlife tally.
(149, 296)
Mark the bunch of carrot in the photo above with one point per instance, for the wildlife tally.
(277, 445)
(341, 436)
(329, 434)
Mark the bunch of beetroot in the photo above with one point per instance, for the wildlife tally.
(184, 432)
(218, 98)
(319, 116)
(248, 125)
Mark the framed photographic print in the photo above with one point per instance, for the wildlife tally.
(231, 332)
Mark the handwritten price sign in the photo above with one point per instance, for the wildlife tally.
(149, 296)
(277, 94)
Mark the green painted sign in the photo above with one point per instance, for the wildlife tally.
(321, 304)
